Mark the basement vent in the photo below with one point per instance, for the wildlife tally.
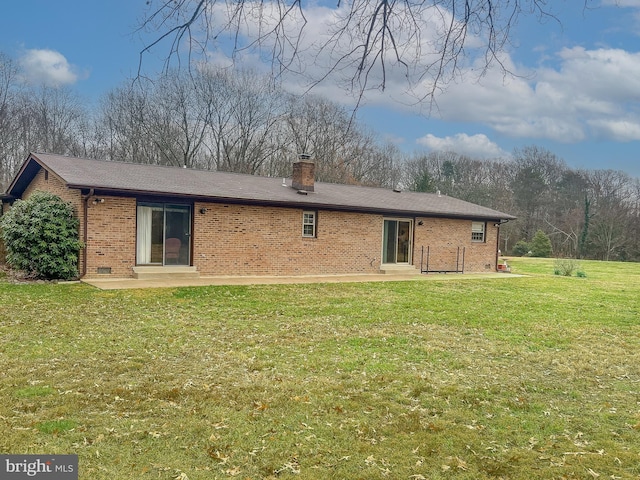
(104, 270)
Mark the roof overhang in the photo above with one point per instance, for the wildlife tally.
(149, 194)
(23, 178)
(91, 181)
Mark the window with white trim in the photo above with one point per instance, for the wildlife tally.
(309, 224)
(477, 231)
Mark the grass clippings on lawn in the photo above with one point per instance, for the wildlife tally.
(514, 378)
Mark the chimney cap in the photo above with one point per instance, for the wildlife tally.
(304, 156)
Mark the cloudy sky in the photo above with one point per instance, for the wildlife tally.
(573, 86)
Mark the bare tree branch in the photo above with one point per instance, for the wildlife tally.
(365, 41)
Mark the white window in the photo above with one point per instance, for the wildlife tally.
(308, 224)
(477, 231)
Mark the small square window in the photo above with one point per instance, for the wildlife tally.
(309, 224)
(477, 231)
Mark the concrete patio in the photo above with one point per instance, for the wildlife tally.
(128, 283)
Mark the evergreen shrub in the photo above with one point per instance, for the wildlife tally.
(541, 245)
(41, 237)
(521, 248)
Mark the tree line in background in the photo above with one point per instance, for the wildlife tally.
(243, 122)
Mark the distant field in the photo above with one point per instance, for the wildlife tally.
(533, 377)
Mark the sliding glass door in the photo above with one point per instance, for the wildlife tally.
(396, 243)
(163, 234)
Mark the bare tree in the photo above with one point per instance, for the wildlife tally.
(608, 231)
(8, 124)
(381, 166)
(35, 118)
(125, 123)
(244, 109)
(634, 222)
(177, 121)
(90, 138)
(342, 150)
(213, 90)
(57, 114)
(367, 41)
(613, 202)
(567, 218)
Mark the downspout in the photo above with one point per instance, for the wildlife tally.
(413, 243)
(497, 245)
(498, 225)
(85, 224)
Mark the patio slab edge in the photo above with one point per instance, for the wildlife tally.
(132, 283)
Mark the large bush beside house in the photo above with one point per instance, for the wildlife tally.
(41, 237)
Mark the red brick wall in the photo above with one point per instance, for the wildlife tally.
(245, 240)
(444, 236)
(251, 240)
(304, 176)
(111, 241)
(51, 183)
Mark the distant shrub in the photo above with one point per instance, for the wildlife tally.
(581, 274)
(521, 248)
(565, 266)
(541, 245)
(41, 237)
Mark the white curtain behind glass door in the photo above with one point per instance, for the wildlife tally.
(144, 234)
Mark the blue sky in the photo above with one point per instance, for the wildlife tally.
(576, 92)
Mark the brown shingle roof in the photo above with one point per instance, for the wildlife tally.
(138, 179)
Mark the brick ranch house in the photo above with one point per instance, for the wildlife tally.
(137, 220)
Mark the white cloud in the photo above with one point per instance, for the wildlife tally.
(47, 67)
(618, 130)
(476, 146)
(593, 93)
(622, 3)
(585, 94)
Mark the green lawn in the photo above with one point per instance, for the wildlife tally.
(467, 378)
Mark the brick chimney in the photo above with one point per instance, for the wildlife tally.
(304, 173)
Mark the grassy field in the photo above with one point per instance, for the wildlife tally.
(460, 378)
